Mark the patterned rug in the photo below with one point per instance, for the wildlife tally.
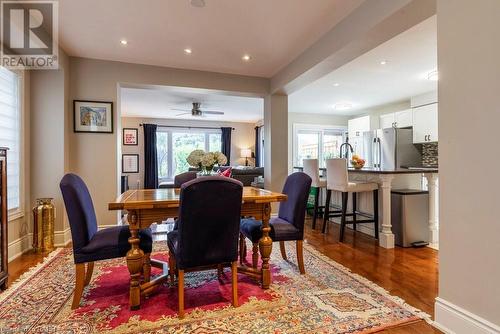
(328, 299)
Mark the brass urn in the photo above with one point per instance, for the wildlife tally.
(44, 215)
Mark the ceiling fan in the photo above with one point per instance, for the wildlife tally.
(197, 112)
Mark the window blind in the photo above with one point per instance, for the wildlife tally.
(10, 133)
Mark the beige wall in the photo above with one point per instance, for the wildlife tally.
(243, 136)
(469, 117)
(314, 119)
(95, 156)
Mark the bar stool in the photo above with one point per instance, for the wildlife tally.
(337, 180)
(311, 168)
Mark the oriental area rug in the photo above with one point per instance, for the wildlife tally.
(328, 299)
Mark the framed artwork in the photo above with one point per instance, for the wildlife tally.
(92, 116)
(130, 163)
(129, 136)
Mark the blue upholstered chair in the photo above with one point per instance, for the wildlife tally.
(208, 229)
(182, 178)
(89, 244)
(288, 226)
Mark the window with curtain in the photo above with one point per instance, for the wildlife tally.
(316, 142)
(10, 134)
(174, 145)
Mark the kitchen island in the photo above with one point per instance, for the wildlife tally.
(401, 178)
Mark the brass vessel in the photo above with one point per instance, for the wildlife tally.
(44, 215)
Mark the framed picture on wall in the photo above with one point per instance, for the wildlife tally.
(130, 163)
(92, 116)
(129, 136)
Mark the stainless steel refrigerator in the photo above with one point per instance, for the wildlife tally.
(390, 148)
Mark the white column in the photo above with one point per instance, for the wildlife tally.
(433, 208)
(386, 238)
(275, 141)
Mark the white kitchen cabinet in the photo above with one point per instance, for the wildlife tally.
(425, 124)
(400, 119)
(357, 126)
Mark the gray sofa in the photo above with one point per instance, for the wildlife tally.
(244, 175)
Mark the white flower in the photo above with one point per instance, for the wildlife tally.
(195, 157)
(221, 158)
(208, 160)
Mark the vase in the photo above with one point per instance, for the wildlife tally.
(207, 171)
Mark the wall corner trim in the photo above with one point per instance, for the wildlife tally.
(452, 319)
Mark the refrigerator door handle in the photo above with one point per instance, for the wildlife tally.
(379, 149)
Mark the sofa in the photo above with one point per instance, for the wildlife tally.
(245, 175)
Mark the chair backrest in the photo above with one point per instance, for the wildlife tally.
(293, 210)
(209, 221)
(336, 173)
(80, 210)
(182, 178)
(311, 168)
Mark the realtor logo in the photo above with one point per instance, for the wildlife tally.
(29, 34)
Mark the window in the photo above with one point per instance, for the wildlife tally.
(316, 142)
(174, 145)
(10, 135)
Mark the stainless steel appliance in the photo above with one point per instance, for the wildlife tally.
(390, 148)
(410, 217)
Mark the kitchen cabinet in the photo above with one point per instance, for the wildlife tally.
(425, 124)
(357, 126)
(400, 119)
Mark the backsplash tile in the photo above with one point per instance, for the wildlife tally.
(430, 155)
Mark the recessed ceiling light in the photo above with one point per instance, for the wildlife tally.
(342, 106)
(433, 75)
(336, 84)
(123, 42)
(246, 57)
(198, 3)
(188, 51)
(383, 62)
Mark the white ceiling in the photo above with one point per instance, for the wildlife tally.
(366, 83)
(157, 103)
(272, 32)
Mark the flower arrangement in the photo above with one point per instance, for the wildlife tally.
(206, 160)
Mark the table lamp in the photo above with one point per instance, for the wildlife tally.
(246, 153)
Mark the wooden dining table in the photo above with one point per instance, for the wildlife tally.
(149, 206)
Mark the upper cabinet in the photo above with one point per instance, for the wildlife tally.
(425, 123)
(400, 119)
(357, 126)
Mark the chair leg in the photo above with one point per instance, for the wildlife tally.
(300, 256)
(283, 250)
(146, 267)
(171, 266)
(327, 209)
(234, 282)
(375, 211)
(354, 208)
(315, 210)
(255, 255)
(345, 196)
(180, 287)
(79, 285)
(88, 273)
(242, 249)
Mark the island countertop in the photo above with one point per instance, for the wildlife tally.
(372, 170)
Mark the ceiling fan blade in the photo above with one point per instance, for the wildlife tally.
(175, 109)
(213, 112)
(184, 113)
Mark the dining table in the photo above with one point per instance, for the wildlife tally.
(147, 206)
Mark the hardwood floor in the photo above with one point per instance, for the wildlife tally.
(409, 273)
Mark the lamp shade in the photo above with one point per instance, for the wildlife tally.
(246, 153)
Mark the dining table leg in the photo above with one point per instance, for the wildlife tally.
(266, 246)
(135, 261)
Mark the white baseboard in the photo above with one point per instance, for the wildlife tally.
(19, 246)
(453, 319)
(62, 238)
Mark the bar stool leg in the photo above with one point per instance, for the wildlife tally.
(354, 208)
(375, 212)
(327, 209)
(345, 196)
(315, 212)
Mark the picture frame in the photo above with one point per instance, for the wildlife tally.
(129, 136)
(92, 116)
(130, 163)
